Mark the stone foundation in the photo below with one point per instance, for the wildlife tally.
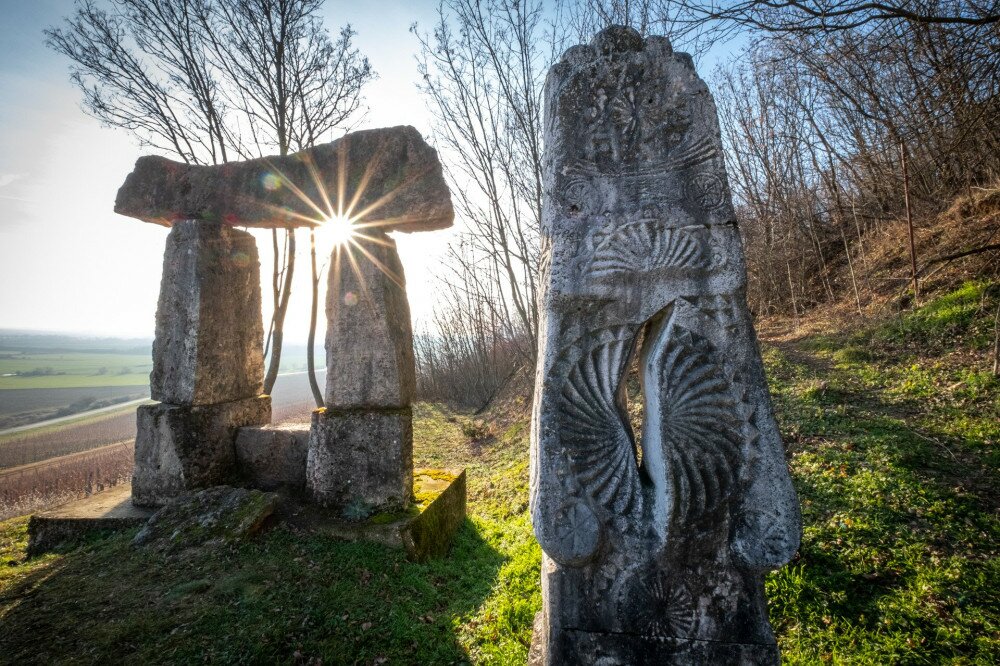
(108, 511)
(424, 530)
(273, 457)
(179, 447)
(361, 461)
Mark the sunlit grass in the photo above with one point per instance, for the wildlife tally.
(899, 560)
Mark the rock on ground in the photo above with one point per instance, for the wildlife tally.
(212, 517)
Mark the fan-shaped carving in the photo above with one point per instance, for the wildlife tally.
(659, 606)
(689, 154)
(701, 433)
(597, 440)
(646, 245)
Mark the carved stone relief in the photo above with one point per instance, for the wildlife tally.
(654, 541)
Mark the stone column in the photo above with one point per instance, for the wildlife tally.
(361, 445)
(207, 362)
(658, 561)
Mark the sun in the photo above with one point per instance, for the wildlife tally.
(339, 229)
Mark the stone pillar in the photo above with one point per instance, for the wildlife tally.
(208, 364)
(658, 561)
(361, 445)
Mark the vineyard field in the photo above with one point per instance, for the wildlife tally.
(41, 485)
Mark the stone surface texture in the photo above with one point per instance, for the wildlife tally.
(361, 461)
(390, 175)
(209, 334)
(210, 517)
(441, 495)
(369, 340)
(181, 447)
(425, 529)
(659, 561)
(273, 457)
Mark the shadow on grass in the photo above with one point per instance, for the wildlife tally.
(283, 598)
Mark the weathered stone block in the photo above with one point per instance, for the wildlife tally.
(181, 447)
(425, 529)
(654, 542)
(441, 495)
(273, 457)
(107, 511)
(361, 461)
(209, 334)
(390, 174)
(369, 340)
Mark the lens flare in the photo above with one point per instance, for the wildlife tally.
(339, 229)
(271, 182)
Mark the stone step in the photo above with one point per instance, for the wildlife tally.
(107, 510)
(425, 530)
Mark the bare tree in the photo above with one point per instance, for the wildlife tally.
(482, 67)
(482, 71)
(210, 80)
(721, 19)
(813, 123)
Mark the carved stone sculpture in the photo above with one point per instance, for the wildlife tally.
(654, 544)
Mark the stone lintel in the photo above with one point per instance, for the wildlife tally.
(391, 175)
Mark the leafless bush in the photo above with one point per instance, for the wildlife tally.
(471, 347)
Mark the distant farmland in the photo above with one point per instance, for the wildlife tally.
(38, 445)
(57, 376)
(20, 407)
(19, 370)
(31, 487)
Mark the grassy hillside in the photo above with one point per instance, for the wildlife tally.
(892, 436)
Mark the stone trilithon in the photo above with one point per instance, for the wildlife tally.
(654, 546)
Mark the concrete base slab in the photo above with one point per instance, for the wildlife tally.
(110, 510)
(425, 529)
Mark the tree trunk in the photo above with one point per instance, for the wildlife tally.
(310, 349)
(279, 318)
(996, 343)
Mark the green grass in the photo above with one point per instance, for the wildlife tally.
(288, 594)
(893, 454)
(898, 562)
(73, 370)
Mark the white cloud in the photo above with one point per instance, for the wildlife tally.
(8, 178)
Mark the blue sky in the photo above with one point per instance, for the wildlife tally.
(67, 261)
